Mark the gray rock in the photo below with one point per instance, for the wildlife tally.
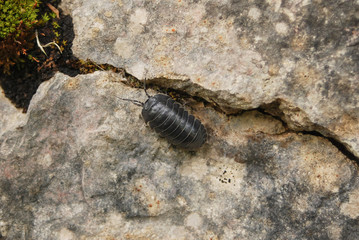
(10, 116)
(299, 58)
(85, 166)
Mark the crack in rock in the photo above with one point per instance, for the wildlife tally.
(292, 117)
(112, 176)
(237, 54)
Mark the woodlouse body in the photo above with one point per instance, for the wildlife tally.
(172, 121)
(168, 118)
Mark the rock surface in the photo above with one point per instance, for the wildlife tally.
(85, 166)
(10, 117)
(298, 59)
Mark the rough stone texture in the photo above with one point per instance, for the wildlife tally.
(301, 57)
(10, 117)
(85, 166)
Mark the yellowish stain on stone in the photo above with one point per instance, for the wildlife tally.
(347, 125)
(306, 75)
(108, 14)
(97, 27)
(72, 84)
(273, 70)
(105, 81)
(164, 61)
(210, 235)
(117, 227)
(161, 60)
(351, 208)
(324, 177)
(274, 4)
(94, 32)
(123, 48)
(299, 42)
(244, 42)
(149, 198)
(296, 118)
(66, 234)
(196, 169)
(149, 233)
(323, 174)
(289, 14)
(334, 231)
(249, 122)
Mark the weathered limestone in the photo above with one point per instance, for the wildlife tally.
(85, 166)
(301, 56)
(10, 117)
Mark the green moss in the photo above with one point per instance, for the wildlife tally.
(17, 13)
(18, 18)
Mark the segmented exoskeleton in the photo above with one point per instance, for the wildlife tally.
(172, 121)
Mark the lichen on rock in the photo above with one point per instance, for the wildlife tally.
(238, 54)
(271, 79)
(86, 166)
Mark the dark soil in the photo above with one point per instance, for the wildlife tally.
(25, 78)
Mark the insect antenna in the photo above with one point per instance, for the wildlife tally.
(137, 103)
(144, 87)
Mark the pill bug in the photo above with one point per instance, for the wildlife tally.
(171, 121)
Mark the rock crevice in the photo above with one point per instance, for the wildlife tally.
(85, 165)
(292, 117)
(240, 55)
